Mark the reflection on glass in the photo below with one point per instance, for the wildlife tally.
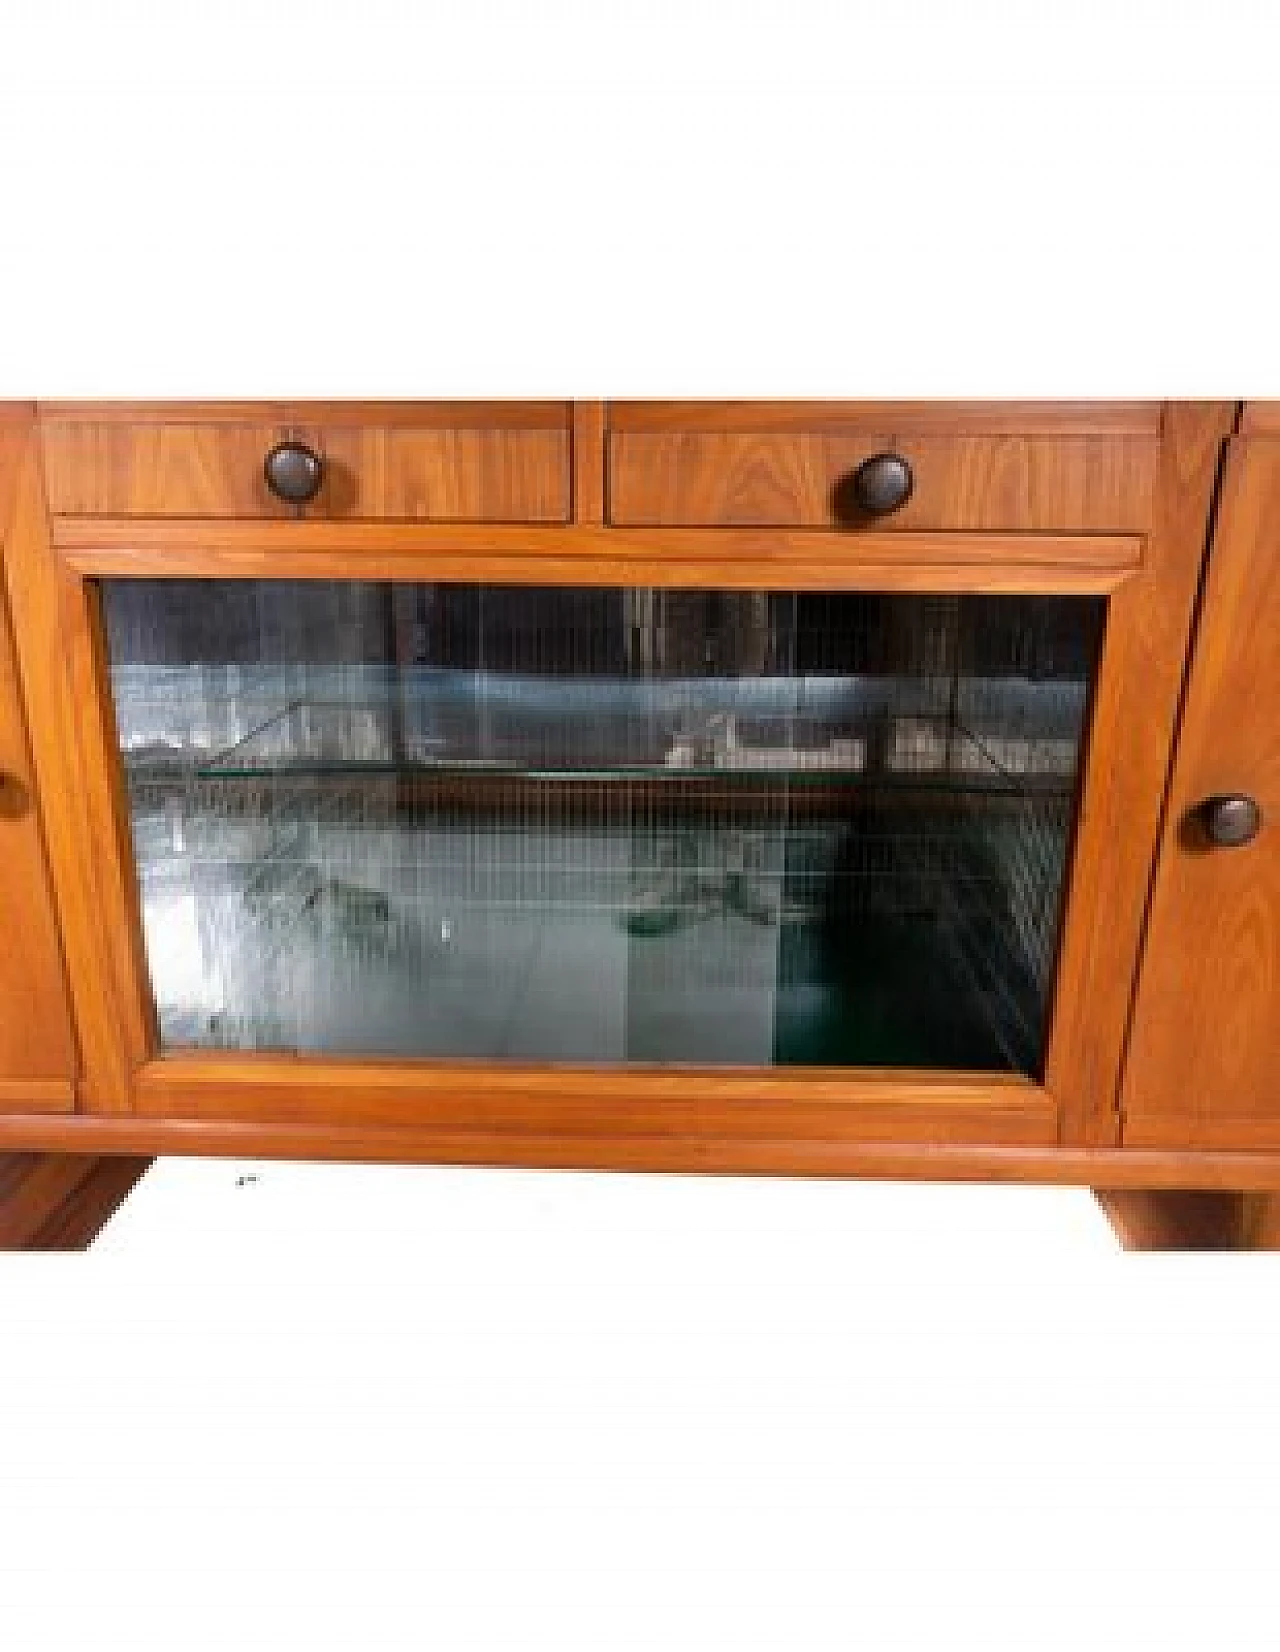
(601, 825)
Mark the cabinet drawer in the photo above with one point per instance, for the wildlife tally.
(495, 463)
(979, 481)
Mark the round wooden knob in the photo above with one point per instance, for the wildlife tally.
(1230, 821)
(13, 797)
(294, 472)
(879, 485)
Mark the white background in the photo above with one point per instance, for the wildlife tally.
(347, 1407)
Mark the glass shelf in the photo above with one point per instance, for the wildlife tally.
(352, 737)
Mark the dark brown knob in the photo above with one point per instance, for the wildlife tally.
(294, 472)
(879, 485)
(13, 797)
(1229, 821)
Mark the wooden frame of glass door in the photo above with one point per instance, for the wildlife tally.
(566, 1114)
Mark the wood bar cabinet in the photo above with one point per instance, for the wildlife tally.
(805, 788)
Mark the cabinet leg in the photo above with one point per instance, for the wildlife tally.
(61, 1201)
(1192, 1219)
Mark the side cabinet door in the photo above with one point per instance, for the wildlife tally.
(1204, 1064)
(37, 1049)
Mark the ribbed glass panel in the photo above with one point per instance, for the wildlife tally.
(743, 828)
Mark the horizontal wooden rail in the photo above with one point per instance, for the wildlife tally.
(458, 415)
(600, 1103)
(946, 418)
(724, 558)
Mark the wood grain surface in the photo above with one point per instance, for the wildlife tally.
(961, 483)
(938, 417)
(1204, 1059)
(587, 554)
(1192, 1219)
(37, 1042)
(1260, 419)
(589, 463)
(1131, 736)
(388, 472)
(61, 1201)
(1090, 1167)
(599, 1101)
(61, 672)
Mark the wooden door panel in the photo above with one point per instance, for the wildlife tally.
(37, 1051)
(1204, 1063)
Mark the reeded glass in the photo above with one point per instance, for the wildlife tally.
(566, 824)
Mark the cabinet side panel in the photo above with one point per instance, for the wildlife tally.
(1135, 707)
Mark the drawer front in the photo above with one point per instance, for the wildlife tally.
(977, 483)
(514, 471)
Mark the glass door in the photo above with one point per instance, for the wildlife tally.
(562, 824)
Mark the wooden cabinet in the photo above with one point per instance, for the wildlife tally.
(712, 786)
(1204, 1066)
(37, 1049)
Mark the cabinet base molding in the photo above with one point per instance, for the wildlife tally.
(62, 1201)
(1141, 1169)
(1192, 1218)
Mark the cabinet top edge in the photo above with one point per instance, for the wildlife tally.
(1021, 418)
(940, 415)
(513, 414)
